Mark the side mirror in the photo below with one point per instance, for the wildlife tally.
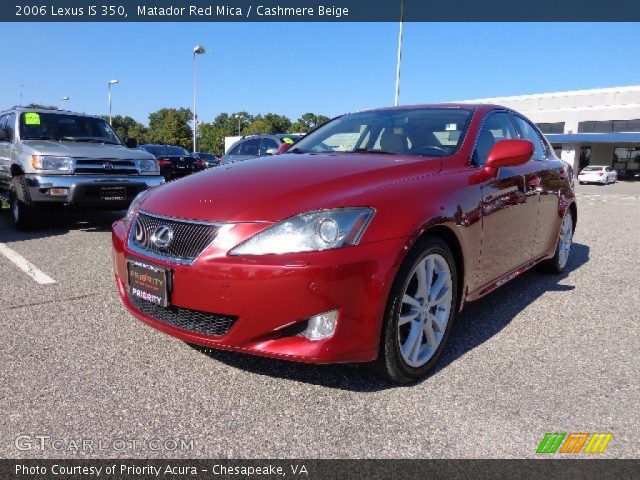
(508, 153)
(271, 151)
(130, 142)
(3, 135)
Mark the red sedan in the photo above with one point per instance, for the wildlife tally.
(359, 244)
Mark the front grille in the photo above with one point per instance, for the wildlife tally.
(107, 167)
(189, 238)
(191, 320)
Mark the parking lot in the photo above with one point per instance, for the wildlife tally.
(541, 354)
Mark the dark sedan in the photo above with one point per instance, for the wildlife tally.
(174, 161)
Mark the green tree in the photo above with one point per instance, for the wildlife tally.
(171, 126)
(270, 122)
(126, 126)
(40, 106)
(308, 122)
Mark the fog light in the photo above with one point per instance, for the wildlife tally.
(321, 326)
(58, 192)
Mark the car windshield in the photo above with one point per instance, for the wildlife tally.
(68, 127)
(420, 131)
(159, 150)
(592, 169)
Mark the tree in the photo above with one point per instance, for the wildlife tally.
(40, 106)
(271, 122)
(308, 122)
(128, 127)
(171, 126)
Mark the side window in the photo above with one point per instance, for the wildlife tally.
(266, 144)
(496, 126)
(530, 133)
(250, 147)
(3, 123)
(10, 127)
(235, 150)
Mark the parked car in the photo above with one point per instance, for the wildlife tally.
(598, 174)
(360, 244)
(209, 159)
(59, 158)
(259, 145)
(174, 161)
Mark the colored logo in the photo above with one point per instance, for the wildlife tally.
(574, 443)
(162, 237)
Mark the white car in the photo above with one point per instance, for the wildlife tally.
(597, 174)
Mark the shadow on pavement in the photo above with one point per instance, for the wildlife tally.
(478, 322)
(58, 223)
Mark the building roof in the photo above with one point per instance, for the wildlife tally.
(569, 93)
(618, 137)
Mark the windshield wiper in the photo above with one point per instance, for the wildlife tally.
(89, 140)
(371, 150)
(42, 137)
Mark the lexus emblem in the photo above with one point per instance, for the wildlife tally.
(107, 165)
(162, 237)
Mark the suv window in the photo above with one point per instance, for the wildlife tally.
(10, 126)
(496, 126)
(250, 147)
(266, 144)
(3, 121)
(528, 132)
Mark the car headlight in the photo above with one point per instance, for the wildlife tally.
(133, 208)
(309, 232)
(146, 166)
(48, 162)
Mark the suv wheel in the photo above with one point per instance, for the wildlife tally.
(23, 212)
(420, 312)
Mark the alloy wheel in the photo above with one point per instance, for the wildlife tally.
(425, 310)
(564, 243)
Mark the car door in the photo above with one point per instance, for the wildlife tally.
(7, 124)
(544, 177)
(506, 221)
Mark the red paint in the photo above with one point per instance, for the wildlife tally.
(504, 222)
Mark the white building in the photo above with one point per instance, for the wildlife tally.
(586, 127)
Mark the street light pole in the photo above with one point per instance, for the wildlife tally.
(197, 50)
(64, 99)
(399, 58)
(239, 117)
(111, 82)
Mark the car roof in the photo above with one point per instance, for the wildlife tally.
(46, 110)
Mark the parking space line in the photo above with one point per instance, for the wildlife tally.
(26, 266)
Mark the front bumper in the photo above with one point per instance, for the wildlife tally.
(85, 190)
(271, 295)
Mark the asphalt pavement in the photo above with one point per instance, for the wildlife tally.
(541, 354)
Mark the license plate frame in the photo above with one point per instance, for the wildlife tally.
(113, 193)
(149, 282)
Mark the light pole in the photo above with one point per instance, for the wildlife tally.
(64, 99)
(197, 50)
(399, 59)
(111, 82)
(239, 117)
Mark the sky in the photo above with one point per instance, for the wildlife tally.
(293, 68)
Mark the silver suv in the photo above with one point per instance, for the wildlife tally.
(50, 157)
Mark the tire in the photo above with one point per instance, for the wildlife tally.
(415, 332)
(23, 212)
(558, 264)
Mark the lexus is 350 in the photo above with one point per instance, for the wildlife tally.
(359, 244)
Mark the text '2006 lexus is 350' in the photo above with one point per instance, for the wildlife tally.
(361, 243)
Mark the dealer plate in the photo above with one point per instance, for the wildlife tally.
(148, 282)
(113, 193)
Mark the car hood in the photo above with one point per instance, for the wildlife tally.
(84, 150)
(276, 187)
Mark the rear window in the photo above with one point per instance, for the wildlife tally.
(592, 169)
(159, 150)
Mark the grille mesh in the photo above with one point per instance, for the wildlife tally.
(189, 239)
(192, 320)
